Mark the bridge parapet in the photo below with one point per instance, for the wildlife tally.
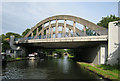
(60, 35)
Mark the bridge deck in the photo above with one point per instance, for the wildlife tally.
(71, 42)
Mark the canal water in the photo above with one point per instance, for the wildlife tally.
(48, 68)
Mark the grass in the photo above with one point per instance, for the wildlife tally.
(13, 59)
(18, 58)
(114, 68)
(106, 71)
(70, 56)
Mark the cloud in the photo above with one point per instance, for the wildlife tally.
(60, 0)
(17, 16)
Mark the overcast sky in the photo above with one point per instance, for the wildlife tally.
(17, 16)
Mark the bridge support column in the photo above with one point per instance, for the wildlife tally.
(49, 29)
(31, 35)
(113, 43)
(42, 34)
(51, 32)
(56, 29)
(36, 32)
(69, 31)
(84, 30)
(92, 54)
(64, 30)
(102, 54)
(74, 24)
(46, 33)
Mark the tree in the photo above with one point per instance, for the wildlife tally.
(11, 33)
(59, 51)
(25, 32)
(5, 40)
(70, 51)
(105, 20)
(34, 32)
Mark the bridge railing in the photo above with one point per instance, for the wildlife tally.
(61, 35)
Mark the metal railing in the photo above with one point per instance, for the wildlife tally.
(61, 35)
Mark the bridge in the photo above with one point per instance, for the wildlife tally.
(65, 31)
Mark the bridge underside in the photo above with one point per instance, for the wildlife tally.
(91, 49)
(92, 52)
(62, 45)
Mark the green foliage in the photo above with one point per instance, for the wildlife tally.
(34, 32)
(70, 51)
(11, 33)
(113, 68)
(5, 45)
(25, 32)
(105, 20)
(100, 71)
(59, 51)
(70, 56)
(5, 40)
(90, 32)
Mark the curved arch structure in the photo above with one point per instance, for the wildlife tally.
(49, 29)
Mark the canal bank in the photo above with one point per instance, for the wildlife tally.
(105, 71)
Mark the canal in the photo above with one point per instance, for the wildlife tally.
(48, 68)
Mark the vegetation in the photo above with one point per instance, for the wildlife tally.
(103, 70)
(90, 32)
(5, 40)
(105, 20)
(70, 56)
(13, 59)
(50, 52)
(70, 51)
(114, 68)
(59, 51)
(34, 33)
(25, 32)
(11, 33)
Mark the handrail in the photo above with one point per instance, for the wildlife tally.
(60, 35)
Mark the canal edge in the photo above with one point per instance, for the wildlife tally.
(93, 71)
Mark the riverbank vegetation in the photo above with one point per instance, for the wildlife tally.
(6, 38)
(106, 71)
(9, 59)
(70, 56)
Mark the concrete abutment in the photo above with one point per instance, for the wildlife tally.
(92, 54)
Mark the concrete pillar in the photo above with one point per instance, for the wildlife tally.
(56, 29)
(69, 31)
(46, 33)
(103, 53)
(36, 32)
(74, 24)
(31, 34)
(96, 34)
(84, 30)
(113, 43)
(42, 34)
(51, 32)
(64, 31)
(49, 28)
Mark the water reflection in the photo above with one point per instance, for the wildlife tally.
(65, 65)
(48, 68)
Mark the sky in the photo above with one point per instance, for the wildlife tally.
(18, 16)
